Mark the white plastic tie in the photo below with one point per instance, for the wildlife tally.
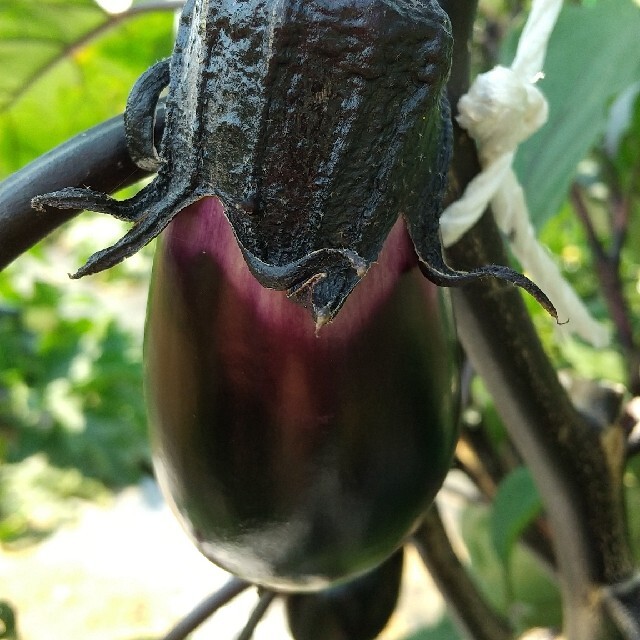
(502, 109)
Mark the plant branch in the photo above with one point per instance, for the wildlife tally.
(620, 226)
(577, 467)
(623, 603)
(478, 463)
(486, 469)
(72, 47)
(97, 158)
(584, 217)
(206, 609)
(620, 205)
(266, 598)
(579, 481)
(467, 605)
(607, 269)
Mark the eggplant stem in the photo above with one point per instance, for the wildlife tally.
(467, 605)
(207, 608)
(266, 598)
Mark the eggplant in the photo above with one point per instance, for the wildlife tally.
(294, 457)
(300, 377)
(357, 610)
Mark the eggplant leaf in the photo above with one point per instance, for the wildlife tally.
(46, 30)
(68, 64)
(515, 506)
(7, 621)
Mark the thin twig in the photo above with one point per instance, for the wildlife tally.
(620, 206)
(206, 609)
(584, 217)
(468, 606)
(260, 609)
(620, 226)
(623, 603)
(608, 272)
(479, 460)
(97, 158)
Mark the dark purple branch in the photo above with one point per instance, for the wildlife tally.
(468, 607)
(621, 210)
(266, 598)
(607, 266)
(206, 609)
(580, 486)
(96, 158)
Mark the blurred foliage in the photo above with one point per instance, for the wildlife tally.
(70, 388)
(443, 630)
(522, 590)
(38, 498)
(8, 630)
(72, 66)
(515, 506)
(72, 419)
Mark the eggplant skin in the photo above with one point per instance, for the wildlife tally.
(357, 610)
(295, 460)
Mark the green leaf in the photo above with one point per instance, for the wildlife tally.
(443, 630)
(516, 505)
(527, 595)
(46, 29)
(8, 629)
(69, 65)
(594, 53)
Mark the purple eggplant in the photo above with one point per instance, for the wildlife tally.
(295, 457)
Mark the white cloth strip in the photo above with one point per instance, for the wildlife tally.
(502, 109)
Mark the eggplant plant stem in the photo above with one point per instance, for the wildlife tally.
(472, 613)
(577, 467)
(96, 158)
(485, 469)
(206, 609)
(266, 598)
(607, 268)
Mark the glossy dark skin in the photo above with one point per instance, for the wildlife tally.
(295, 460)
(318, 123)
(356, 610)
